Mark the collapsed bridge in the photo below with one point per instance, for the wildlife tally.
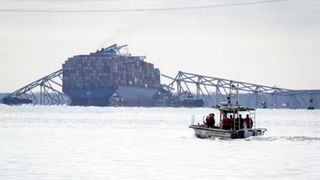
(211, 90)
(113, 77)
(44, 91)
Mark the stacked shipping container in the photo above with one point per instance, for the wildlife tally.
(96, 72)
(107, 69)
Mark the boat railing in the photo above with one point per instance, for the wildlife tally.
(262, 130)
(252, 115)
(193, 119)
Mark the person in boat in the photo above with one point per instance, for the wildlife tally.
(227, 122)
(224, 122)
(236, 122)
(241, 121)
(231, 122)
(210, 121)
(248, 121)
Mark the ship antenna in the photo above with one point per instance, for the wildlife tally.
(229, 97)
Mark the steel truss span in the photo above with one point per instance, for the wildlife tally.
(214, 91)
(44, 91)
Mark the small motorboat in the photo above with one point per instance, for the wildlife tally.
(231, 124)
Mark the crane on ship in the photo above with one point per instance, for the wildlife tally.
(115, 49)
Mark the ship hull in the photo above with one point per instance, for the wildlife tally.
(129, 95)
(137, 96)
(90, 97)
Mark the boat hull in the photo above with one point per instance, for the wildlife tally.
(212, 133)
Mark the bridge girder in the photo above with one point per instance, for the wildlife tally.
(215, 90)
(48, 91)
(44, 91)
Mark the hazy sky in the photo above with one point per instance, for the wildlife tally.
(272, 44)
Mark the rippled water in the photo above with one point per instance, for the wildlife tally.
(59, 142)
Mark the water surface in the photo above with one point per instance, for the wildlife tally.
(60, 142)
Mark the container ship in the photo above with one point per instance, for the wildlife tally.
(110, 76)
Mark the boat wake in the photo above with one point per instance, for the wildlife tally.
(286, 138)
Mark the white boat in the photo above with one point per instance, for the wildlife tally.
(237, 127)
